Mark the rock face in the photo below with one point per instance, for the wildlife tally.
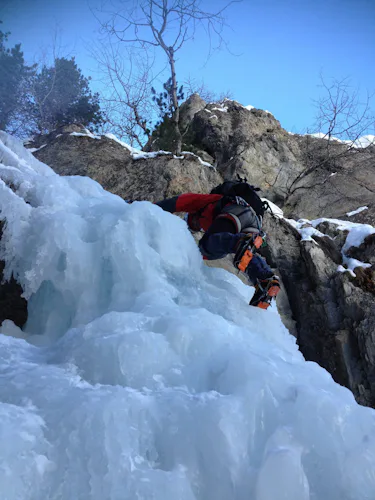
(247, 142)
(236, 140)
(253, 143)
(112, 165)
(334, 312)
(189, 109)
(344, 182)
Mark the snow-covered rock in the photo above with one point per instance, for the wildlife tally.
(125, 170)
(328, 271)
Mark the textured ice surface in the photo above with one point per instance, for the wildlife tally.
(145, 375)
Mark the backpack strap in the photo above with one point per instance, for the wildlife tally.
(244, 217)
(193, 219)
(233, 208)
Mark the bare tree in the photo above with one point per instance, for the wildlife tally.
(126, 80)
(166, 25)
(341, 113)
(193, 86)
(342, 119)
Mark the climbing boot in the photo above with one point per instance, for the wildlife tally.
(265, 291)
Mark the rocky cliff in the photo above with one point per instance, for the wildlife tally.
(334, 311)
(307, 176)
(73, 151)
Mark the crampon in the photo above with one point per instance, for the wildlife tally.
(245, 251)
(265, 291)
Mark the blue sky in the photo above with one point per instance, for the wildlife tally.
(277, 47)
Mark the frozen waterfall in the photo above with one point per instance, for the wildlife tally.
(143, 374)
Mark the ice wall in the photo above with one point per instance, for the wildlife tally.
(146, 375)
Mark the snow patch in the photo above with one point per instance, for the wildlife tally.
(276, 211)
(356, 232)
(87, 133)
(223, 109)
(34, 150)
(137, 154)
(307, 232)
(356, 235)
(141, 155)
(205, 163)
(249, 107)
(342, 269)
(358, 211)
(122, 143)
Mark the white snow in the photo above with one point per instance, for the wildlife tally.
(342, 269)
(307, 232)
(249, 107)
(223, 109)
(205, 163)
(138, 154)
(33, 150)
(276, 211)
(358, 211)
(356, 232)
(145, 374)
(87, 133)
(141, 155)
(356, 235)
(122, 143)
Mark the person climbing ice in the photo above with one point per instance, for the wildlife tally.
(231, 217)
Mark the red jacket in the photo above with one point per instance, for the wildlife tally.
(200, 207)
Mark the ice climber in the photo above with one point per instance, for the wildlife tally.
(231, 216)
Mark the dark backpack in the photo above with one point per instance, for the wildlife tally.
(244, 190)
